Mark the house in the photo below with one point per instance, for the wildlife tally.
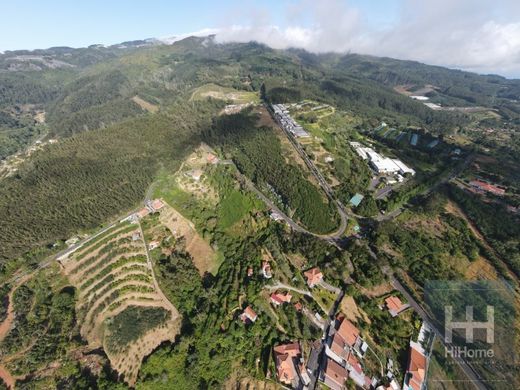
(195, 174)
(136, 236)
(278, 298)
(287, 358)
(143, 212)
(250, 272)
(153, 244)
(355, 370)
(334, 375)
(298, 306)
(248, 315)
(483, 186)
(395, 306)
(314, 277)
(157, 204)
(343, 340)
(392, 386)
(415, 376)
(212, 159)
(348, 332)
(266, 270)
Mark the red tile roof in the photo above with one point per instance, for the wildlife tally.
(279, 298)
(394, 305)
(487, 187)
(314, 276)
(249, 314)
(143, 212)
(285, 356)
(348, 332)
(157, 204)
(416, 368)
(335, 372)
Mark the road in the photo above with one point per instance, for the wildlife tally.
(472, 375)
(450, 176)
(278, 285)
(320, 178)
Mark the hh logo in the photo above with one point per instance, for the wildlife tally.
(469, 325)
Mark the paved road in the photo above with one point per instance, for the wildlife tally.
(320, 178)
(278, 285)
(452, 175)
(472, 375)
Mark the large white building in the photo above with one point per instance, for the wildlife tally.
(381, 164)
(288, 123)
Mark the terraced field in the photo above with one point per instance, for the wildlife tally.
(120, 306)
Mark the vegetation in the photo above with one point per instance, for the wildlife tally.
(132, 323)
(257, 154)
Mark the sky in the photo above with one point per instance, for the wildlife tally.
(477, 35)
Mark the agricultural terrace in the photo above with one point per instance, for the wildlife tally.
(120, 306)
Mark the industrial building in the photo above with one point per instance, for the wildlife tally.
(381, 164)
(288, 123)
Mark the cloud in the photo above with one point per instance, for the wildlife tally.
(477, 35)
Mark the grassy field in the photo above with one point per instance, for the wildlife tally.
(223, 93)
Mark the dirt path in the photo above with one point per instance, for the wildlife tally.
(5, 327)
(6, 376)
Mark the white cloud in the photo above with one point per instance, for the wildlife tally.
(477, 35)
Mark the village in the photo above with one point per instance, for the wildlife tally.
(342, 357)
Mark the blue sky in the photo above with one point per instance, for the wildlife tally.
(477, 35)
(31, 24)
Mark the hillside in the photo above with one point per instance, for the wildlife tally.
(398, 173)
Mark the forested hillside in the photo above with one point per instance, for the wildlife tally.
(85, 179)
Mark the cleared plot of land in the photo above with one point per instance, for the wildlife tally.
(203, 255)
(145, 105)
(120, 306)
(223, 93)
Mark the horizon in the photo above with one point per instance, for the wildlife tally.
(477, 36)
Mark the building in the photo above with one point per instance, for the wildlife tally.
(266, 270)
(314, 277)
(334, 375)
(278, 298)
(157, 204)
(379, 163)
(289, 124)
(395, 306)
(356, 200)
(143, 212)
(248, 315)
(483, 186)
(153, 244)
(342, 341)
(415, 376)
(287, 359)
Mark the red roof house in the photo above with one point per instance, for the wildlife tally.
(248, 315)
(334, 375)
(314, 276)
(394, 305)
(279, 298)
(416, 372)
(286, 358)
(157, 204)
(482, 185)
(348, 332)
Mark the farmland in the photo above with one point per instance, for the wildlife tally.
(120, 306)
